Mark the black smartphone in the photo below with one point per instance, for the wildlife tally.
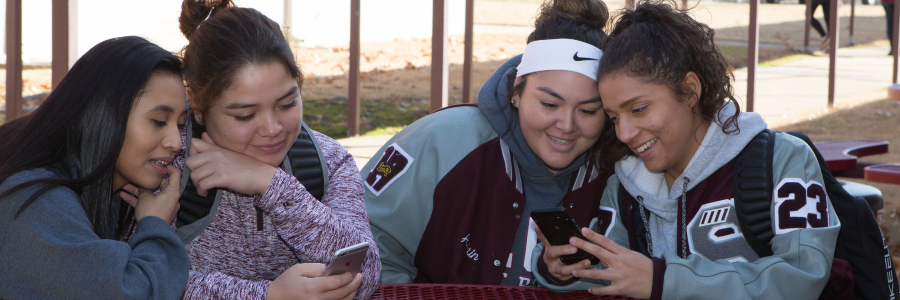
(558, 226)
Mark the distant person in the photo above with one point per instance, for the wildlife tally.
(889, 18)
(255, 226)
(450, 195)
(826, 9)
(675, 230)
(113, 121)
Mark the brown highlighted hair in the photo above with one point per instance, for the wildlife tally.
(580, 20)
(660, 44)
(222, 39)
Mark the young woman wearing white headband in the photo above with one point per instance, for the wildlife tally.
(449, 197)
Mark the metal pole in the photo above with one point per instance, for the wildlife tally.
(353, 93)
(833, 31)
(467, 56)
(896, 39)
(439, 54)
(807, 25)
(60, 40)
(852, 17)
(752, 53)
(288, 20)
(13, 59)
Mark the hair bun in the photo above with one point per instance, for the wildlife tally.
(194, 12)
(591, 13)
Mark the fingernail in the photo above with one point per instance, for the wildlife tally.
(587, 264)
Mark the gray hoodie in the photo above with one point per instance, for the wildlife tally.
(801, 262)
(51, 252)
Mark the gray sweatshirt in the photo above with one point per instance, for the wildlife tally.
(724, 266)
(51, 252)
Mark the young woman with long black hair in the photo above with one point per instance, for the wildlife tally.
(113, 121)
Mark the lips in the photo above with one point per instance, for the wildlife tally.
(270, 148)
(561, 145)
(160, 164)
(640, 149)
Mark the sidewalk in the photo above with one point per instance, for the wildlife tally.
(792, 92)
(798, 90)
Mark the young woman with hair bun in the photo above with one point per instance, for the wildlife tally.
(450, 195)
(269, 200)
(667, 89)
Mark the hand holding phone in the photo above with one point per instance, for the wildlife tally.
(348, 259)
(558, 226)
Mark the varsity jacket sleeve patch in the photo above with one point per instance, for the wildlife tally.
(421, 154)
(802, 253)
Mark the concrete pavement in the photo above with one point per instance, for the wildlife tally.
(798, 90)
(791, 92)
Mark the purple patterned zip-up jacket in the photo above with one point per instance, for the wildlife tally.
(238, 255)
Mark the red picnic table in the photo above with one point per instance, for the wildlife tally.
(478, 292)
(884, 173)
(841, 157)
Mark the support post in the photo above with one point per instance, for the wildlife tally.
(353, 93)
(288, 21)
(896, 39)
(439, 54)
(752, 53)
(467, 56)
(13, 59)
(852, 19)
(807, 25)
(833, 31)
(61, 41)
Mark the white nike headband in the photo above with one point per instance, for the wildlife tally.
(560, 54)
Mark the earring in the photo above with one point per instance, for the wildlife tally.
(199, 121)
(512, 102)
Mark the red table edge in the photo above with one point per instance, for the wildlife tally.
(875, 173)
(850, 155)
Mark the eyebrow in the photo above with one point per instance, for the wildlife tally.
(246, 105)
(630, 101)
(553, 93)
(164, 108)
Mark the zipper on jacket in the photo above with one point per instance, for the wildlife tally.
(259, 219)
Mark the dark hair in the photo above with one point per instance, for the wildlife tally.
(222, 39)
(660, 44)
(79, 129)
(581, 20)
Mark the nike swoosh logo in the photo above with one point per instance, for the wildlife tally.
(576, 58)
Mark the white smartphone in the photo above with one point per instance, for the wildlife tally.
(349, 259)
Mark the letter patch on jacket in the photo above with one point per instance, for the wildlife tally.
(391, 166)
(799, 205)
(714, 233)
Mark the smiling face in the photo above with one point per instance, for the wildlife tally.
(560, 115)
(153, 135)
(259, 115)
(659, 127)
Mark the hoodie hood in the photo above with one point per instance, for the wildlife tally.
(716, 150)
(493, 101)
